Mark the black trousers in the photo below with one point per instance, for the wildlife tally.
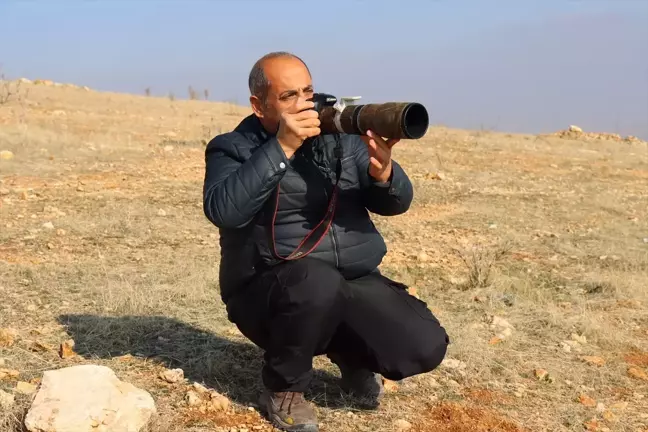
(301, 309)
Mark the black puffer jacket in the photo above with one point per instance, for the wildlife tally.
(244, 168)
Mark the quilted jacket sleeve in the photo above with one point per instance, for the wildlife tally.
(386, 199)
(236, 188)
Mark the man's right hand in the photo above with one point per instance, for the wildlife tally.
(296, 125)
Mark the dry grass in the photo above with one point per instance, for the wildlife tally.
(549, 232)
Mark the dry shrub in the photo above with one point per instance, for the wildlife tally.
(479, 261)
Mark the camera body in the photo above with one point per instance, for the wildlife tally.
(403, 120)
(322, 100)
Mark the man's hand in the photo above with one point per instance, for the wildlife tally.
(296, 125)
(380, 164)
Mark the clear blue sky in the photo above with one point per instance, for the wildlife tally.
(520, 65)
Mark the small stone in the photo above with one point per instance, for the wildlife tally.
(219, 401)
(6, 155)
(161, 212)
(25, 387)
(48, 225)
(591, 425)
(541, 374)
(402, 425)
(201, 389)
(66, 350)
(565, 346)
(172, 375)
(594, 360)
(390, 386)
(423, 257)
(495, 340)
(637, 373)
(574, 128)
(193, 398)
(586, 400)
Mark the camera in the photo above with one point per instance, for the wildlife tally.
(403, 120)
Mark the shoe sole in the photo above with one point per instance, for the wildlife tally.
(280, 424)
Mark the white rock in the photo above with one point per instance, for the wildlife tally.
(6, 155)
(193, 399)
(172, 375)
(48, 225)
(88, 398)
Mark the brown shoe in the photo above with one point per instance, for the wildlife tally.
(289, 411)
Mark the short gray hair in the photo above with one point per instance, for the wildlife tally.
(258, 81)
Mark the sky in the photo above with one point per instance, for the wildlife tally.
(529, 66)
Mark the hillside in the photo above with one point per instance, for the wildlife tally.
(531, 250)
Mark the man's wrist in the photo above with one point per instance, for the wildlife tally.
(381, 181)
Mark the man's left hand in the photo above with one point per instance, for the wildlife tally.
(380, 163)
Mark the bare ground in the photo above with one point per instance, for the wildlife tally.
(532, 251)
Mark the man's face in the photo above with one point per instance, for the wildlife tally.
(290, 83)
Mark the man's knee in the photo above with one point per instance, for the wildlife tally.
(419, 353)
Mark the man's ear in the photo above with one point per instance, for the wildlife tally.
(257, 106)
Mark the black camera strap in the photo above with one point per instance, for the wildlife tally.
(316, 235)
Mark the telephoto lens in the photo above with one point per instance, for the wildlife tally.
(403, 120)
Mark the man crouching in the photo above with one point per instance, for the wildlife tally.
(300, 254)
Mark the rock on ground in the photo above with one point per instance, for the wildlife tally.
(88, 398)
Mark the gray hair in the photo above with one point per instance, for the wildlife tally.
(258, 81)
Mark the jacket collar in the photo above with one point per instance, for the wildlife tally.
(252, 129)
